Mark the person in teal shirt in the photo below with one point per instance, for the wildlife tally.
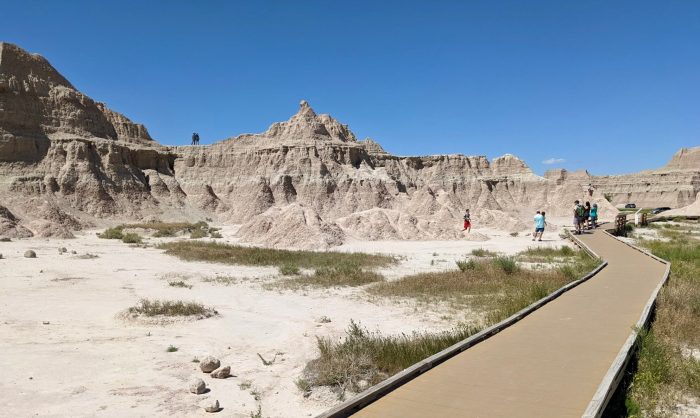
(539, 226)
(594, 216)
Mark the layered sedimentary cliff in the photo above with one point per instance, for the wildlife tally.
(67, 161)
(675, 185)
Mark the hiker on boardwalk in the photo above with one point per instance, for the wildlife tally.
(467, 221)
(578, 217)
(586, 215)
(539, 226)
(594, 216)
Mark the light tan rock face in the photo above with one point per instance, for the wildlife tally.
(675, 185)
(10, 227)
(66, 161)
(37, 104)
(685, 159)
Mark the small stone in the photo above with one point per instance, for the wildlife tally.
(0, 256)
(209, 364)
(211, 406)
(222, 373)
(29, 254)
(46, 323)
(73, 252)
(197, 386)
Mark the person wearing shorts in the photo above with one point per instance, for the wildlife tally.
(467, 221)
(539, 226)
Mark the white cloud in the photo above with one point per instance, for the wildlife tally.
(551, 161)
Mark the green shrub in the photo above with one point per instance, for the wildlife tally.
(132, 238)
(507, 264)
(112, 233)
(465, 265)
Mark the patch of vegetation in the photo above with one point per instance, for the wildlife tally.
(171, 349)
(666, 374)
(491, 285)
(162, 229)
(180, 283)
(486, 285)
(245, 385)
(151, 308)
(340, 275)
(507, 264)
(364, 356)
(112, 233)
(480, 252)
(258, 413)
(254, 256)
(224, 280)
(562, 251)
(465, 265)
(132, 238)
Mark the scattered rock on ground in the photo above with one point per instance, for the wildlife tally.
(29, 254)
(197, 386)
(209, 364)
(222, 373)
(211, 405)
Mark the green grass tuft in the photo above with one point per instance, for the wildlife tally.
(254, 256)
(151, 308)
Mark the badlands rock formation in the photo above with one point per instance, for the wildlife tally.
(675, 185)
(67, 162)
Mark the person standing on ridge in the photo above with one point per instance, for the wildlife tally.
(467, 221)
(539, 226)
(194, 138)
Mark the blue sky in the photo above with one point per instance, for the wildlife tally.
(611, 86)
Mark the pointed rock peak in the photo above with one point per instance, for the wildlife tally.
(306, 125)
(372, 146)
(305, 109)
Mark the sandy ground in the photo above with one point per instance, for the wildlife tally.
(66, 351)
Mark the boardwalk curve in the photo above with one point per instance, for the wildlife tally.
(561, 360)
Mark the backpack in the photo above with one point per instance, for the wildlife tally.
(580, 211)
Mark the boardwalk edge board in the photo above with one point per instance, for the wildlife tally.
(375, 392)
(612, 378)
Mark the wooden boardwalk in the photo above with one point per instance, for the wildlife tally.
(551, 363)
